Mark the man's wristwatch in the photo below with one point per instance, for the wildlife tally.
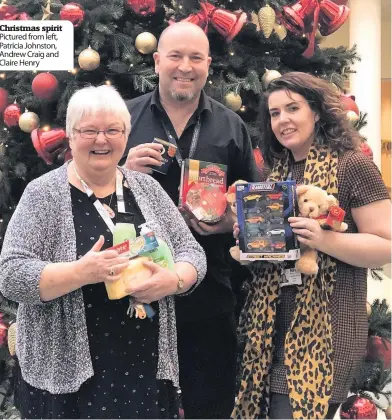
(180, 284)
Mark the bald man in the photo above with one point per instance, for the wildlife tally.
(180, 112)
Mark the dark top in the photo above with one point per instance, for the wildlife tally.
(124, 350)
(359, 183)
(223, 139)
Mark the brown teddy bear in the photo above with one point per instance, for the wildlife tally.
(231, 199)
(316, 203)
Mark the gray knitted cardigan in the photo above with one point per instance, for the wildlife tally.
(52, 343)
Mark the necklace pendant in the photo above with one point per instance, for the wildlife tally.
(109, 211)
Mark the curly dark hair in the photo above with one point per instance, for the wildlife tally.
(332, 129)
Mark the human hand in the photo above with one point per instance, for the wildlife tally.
(100, 266)
(161, 283)
(139, 157)
(223, 226)
(308, 230)
(236, 230)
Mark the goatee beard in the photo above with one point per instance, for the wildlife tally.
(182, 96)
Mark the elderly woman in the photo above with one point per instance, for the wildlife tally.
(79, 354)
(305, 342)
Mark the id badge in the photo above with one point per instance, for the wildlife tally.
(290, 277)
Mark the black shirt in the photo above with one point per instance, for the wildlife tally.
(223, 139)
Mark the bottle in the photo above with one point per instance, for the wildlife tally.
(161, 255)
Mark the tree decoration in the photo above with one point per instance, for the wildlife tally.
(3, 331)
(11, 338)
(28, 121)
(46, 11)
(49, 143)
(269, 76)
(352, 117)
(227, 23)
(349, 104)
(146, 43)
(388, 412)
(267, 16)
(3, 99)
(11, 115)
(305, 17)
(368, 309)
(142, 7)
(45, 86)
(255, 20)
(73, 12)
(379, 348)
(233, 101)
(357, 407)
(367, 151)
(11, 12)
(89, 59)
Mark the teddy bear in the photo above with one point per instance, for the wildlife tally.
(316, 203)
(231, 199)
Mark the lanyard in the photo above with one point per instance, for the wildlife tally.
(98, 205)
(195, 139)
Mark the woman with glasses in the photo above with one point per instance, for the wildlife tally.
(81, 355)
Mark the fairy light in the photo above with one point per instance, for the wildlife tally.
(108, 82)
(2, 76)
(45, 128)
(73, 71)
(243, 108)
(231, 53)
(210, 82)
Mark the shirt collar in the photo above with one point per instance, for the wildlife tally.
(204, 102)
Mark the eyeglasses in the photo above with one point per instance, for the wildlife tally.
(110, 133)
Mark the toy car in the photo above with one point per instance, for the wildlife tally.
(274, 207)
(252, 197)
(275, 220)
(254, 230)
(255, 219)
(274, 196)
(258, 243)
(277, 246)
(275, 232)
(255, 210)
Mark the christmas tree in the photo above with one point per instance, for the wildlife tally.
(252, 42)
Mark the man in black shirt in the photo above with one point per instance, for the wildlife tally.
(180, 112)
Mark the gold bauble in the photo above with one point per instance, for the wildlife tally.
(368, 308)
(269, 76)
(146, 43)
(12, 339)
(254, 19)
(233, 101)
(28, 121)
(388, 412)
(89, 59)
(267, 18)
(281, 31)
(352, 117)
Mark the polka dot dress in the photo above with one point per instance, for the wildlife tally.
(124, 350)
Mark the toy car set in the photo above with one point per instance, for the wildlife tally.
(263, 209)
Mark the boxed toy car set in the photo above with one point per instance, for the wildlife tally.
(263, 209)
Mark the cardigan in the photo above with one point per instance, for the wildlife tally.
(52, 342)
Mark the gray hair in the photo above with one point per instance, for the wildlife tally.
(92, 100)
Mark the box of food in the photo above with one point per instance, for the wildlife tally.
(263, 209)
(168, 152)
(202, 190)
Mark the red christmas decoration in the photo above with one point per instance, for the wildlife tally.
(11, 115)
(349, 104)
(227, 23)
(44, 85)
(379, 348)
(3, 99)
(142, 7)
(340, 2)
(73, 12)
(305, 16)
(12, 13)
(366, 150)
(49, 144)
(3, 332)
(258, 159)
(357, 407)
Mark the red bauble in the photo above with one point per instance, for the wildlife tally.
(3, 334)
(258, 159)
(340, 2)
(366, 150)
(3, 99)
(142, 7)
(49, 144)
(44, 85)
(12, 114)
(73, 12)
(357, 407)
(349, 104)
(379, 348)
